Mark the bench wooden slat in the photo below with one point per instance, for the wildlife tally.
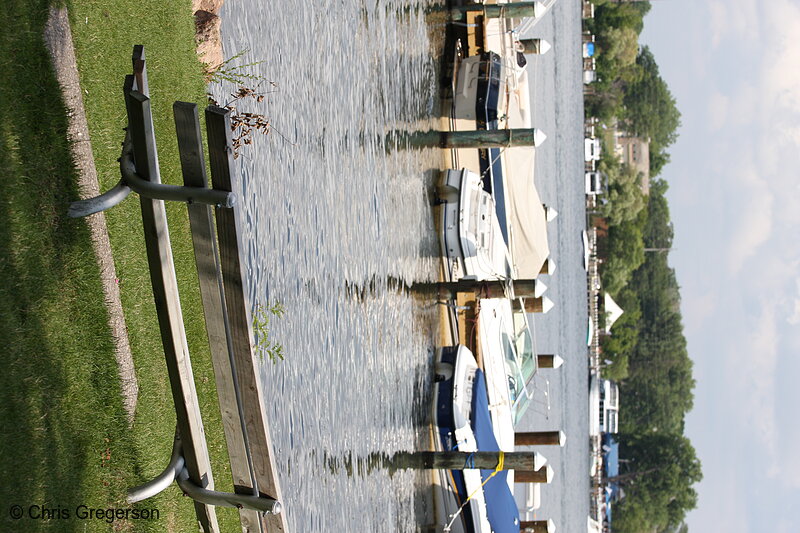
(209, 274)
(168, 308)
(247, 368)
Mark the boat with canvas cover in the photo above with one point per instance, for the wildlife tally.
(469, 501)
(491, 92)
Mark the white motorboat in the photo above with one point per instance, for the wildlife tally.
(603, 406)
(509, 361)
(471, 239)
(491, 92)
(468, 500)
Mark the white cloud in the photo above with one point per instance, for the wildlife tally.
(719, 111)
(697, 308)
(752, 355)
(732, 17)
(754, 224)
(781, 73)
(794, 317)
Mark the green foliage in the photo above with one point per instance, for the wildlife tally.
(618, 346)
(619, 15)
(631, 91)
(656, 392)
(617, 27)
(604, 103)
(237, 74)
(659, 492)
(618, 46)
(264, 345)
(649, 107)
(625, 199)
(624, 252)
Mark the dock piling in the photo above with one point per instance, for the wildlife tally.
(505, 138)
(540, 438)
(509, 10)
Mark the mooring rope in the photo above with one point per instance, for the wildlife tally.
(470, 463)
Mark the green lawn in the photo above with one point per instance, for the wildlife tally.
(65, 439)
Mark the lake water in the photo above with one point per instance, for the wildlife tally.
(335, 217)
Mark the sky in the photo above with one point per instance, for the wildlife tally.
(733, 67)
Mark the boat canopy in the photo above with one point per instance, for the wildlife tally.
(501, 507)
(525, 213)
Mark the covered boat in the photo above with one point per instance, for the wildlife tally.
(491, 92)
(462, 422)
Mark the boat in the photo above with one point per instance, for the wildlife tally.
(587, 250)
(471, 241)
(468, 501)
(603, 406)
(509, 361)
(491, 92)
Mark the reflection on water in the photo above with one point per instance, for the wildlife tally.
(334, 223)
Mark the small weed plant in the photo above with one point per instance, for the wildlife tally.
(243, 124)
(264, 345)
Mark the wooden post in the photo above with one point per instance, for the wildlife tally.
(469, 460)
(537, 526)
(548, 267)
(201, 222)
(474, 139)
(534, 46)
(538, 305)
(523, 288)
(543, 475)
(165, 292)
(509, 10)
(540, 438)
(547, 360)
(245, 366)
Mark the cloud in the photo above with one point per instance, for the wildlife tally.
(697, 308)
(794, 317)
(781, 73)
(719, 111)
(732, 17)
(761, 350)
(754, 225)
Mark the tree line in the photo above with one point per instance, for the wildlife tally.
(646, 353)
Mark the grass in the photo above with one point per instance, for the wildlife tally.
(65, 439)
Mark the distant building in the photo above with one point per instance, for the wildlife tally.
(634, 152)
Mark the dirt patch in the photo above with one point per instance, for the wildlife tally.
(58, 38)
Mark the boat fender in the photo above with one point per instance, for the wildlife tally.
(443, 372)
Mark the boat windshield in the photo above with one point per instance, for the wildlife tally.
(526, 363)
(516, 385)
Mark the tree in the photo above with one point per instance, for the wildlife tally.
(618, 46)
(618, 346)
(625, 253)
(624, 199)
(660, 496)
(650, 110)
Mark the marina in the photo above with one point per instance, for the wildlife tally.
(463, 314)
(398, 265)
(348, 288)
